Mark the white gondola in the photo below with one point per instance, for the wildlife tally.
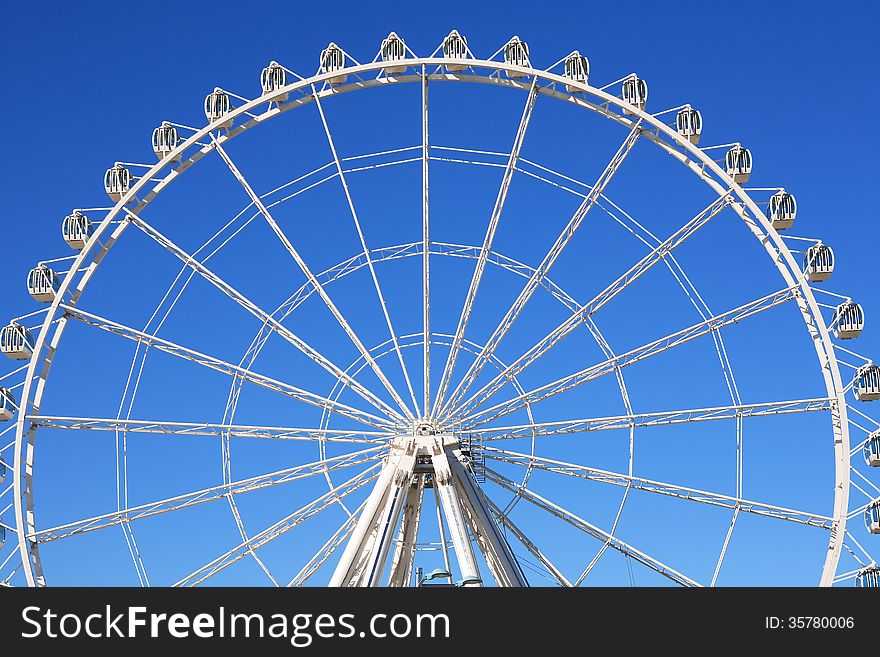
(738, 162)
(871, 450)
(2, 472)
(849, 320)
(872, 517)
(634, 91)
(516, 53)
(117, 182)
(333, 61)
(455, 47)
(217, 105)
(8, 406)
(819, 263)
(781, 210)
(689, 124)
(16, 341)
(43, 283)
(576, 68)
(272, 78)
(2, 536)
(868, 578)
(76, 230)
(165, 140)
(394, 53)
(867, 383)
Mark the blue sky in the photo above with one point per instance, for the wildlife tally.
(789, 80)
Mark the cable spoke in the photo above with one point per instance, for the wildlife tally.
(338, 538)
(590, 529)
(178, 429)
(587, 310)
(261, 314)
(224, 367)
(279, 528)
(542, 270)
(487, 245)
(366, 251)
(206, 495)
(426, 253)
(661, 418)
(311, 277)
(640, 353)
(660, 487)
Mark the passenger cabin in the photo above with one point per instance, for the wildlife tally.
(273, 78)
(217, 105)
(455, 47)
(8, 406)
(393, 54)
(867, 383)
(576, 69)
(819, 263)
(738, 163)
(634, 91)
(516, 53)
(16, 341)
(165, 140)
(781, 210)
(333, 61)
(43, 283)
(868, 578)
(117, 182)
(871, 450)
(76, 229)
(689, 124)
(872, 517)
(849, 320)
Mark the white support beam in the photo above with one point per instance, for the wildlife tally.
(405, 546)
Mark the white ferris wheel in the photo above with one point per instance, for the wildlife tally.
(411, 407)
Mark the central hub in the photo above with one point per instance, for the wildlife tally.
(425, 428)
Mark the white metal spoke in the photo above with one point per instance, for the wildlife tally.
(194, 498)
(480, 267)
(184, 429)
(222, 366)
(316, 284)
(426, 253)
(640, 353)
(327, 550)
(369, 258)
(587, 310)
(505, 520)
(660, 418)
(590, 529)
(659, 487)
(279, 528)
(261, 314)
(543, 269)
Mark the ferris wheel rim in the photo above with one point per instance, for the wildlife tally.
(786, 265)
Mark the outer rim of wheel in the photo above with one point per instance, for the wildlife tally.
(687, 153)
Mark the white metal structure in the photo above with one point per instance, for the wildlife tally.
(42, 283)
(76, 230)
(819, 263)
(455, 447)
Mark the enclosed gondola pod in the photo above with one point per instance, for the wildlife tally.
(393, 53)
(849, 320)
(577, 69)
(738, 163)
(516, 53)
(689, 124)
(872, 517)
(455, 47)
(8, 406)
(634, 91)
(869, 577)
(818, 263)
(117, 182)
(333, 61)
(867, 384)
(781, 210)
(76, 229)
(273, 78)
(43, 283)
(165, 140)
(16, 341)
(218, 104)
(871, 450)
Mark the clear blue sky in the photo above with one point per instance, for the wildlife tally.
(793, 81)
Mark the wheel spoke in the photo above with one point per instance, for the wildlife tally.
(280, 528)
(205, 495)
(261, 314)
(487, 245)
(222, 366)
(311, 277)
(542, 270)
(426, 254)
(660, 487)
(587, 310)
(661, 418)
(640, 353)
(366, 251)
(590, 529)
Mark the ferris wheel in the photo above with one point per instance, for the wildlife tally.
(404, 355)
